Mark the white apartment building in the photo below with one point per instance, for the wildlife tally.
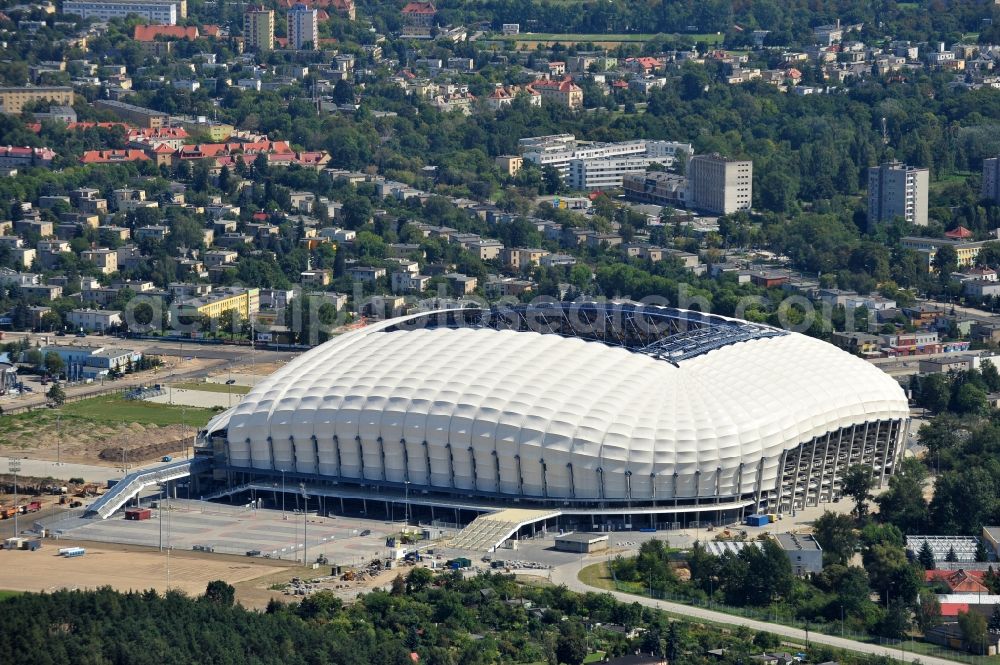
(897, 190)
(605, 173)
(302, 27)
(719, 185)
(98, 320)
(406, 281)
(559, 151)
(163, 12)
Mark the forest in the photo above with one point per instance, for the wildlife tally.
(445, 620)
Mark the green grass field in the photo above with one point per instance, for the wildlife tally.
(213, 388)
(108, 410)
(4, 594)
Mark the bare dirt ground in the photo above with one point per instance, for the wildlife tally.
(84, 446)
(127, 568)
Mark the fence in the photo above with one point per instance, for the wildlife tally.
(909, 649)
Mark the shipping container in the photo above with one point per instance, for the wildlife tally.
(138, 514)
(758, 520)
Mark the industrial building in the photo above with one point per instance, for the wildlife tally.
(897, 190)
(622, 413)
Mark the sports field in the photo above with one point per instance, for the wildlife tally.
(549, 38)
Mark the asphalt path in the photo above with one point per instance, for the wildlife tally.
(567, 574)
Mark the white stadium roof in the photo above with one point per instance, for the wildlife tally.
(555, 412)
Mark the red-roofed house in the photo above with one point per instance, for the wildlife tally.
(959, 581)
(149, 33)
(173, 137)
(25, 157)
(113, 156)
(793, 75)
(419, 13)
(212, 31)
(502, 97)
(564, 92)
(961, 233)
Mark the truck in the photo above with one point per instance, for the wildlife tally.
(7, 513)
(34, 506)
(70, 552)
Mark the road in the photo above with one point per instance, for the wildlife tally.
(567, 574)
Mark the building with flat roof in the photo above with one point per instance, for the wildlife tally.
(582, 543)
(137, 115)
(803, 552)
(163, 12)
(897, 190)
(719, 185)
(96, 320)
(991, 179)
(303, 27)
(258, 28)
(244, 302)
(13, 100)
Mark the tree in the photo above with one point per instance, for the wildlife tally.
(56, 394)
(571, 647)
(54, 364)
(981, 554)
(220, 593)
(398, 585)
(343, 92)
(418, 579)
(903, 504)
(836, 535)
(945, 262)
(973, 628)
(927, 612)
(857, 484)
(969, 399)
(951, 557)
(994, 623)
(926, 556)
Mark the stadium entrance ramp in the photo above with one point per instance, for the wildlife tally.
(489, 531)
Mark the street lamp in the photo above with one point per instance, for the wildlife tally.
(406, 502)
(229, 385)
(14, 466)
(305, 521)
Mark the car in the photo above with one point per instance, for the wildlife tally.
(61, 333)
(366, 532)
(81, 334)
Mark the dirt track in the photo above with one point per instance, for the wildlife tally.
(125, 568)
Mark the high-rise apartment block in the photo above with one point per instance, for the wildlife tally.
(302, 27)
(991, 179)
(719, 185)
(897, 190)
(258, 28)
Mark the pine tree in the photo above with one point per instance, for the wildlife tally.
(994, 623)
(926, 556)
(952, 557)
(981, 554)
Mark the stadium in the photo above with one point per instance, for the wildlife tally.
(610, 412)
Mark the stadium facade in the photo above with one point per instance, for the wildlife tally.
(597, 409)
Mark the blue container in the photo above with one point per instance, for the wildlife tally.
(758, 520)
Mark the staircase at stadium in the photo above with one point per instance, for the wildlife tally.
(489, 531)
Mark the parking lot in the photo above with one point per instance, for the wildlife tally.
(224, 529)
